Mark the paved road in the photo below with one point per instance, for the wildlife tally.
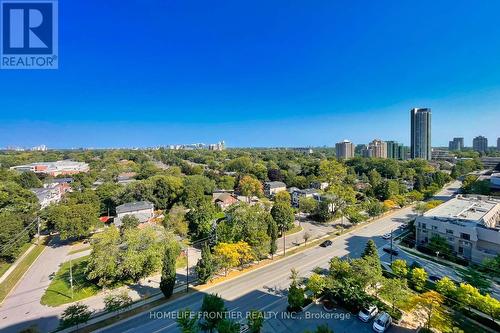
(22, 307)
(265, 288)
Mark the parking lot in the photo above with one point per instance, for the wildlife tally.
(340, 321)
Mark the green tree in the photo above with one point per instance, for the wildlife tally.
(228, 326)
(130, 222)
(418, 278)
(296, 296)
(103, 265)
(187, 322)
(167, 283)
(332, 171)
(117, 302)
(446, 287)
(431, 304)
(370, 249)
(12, 234)
(308, 205)
(213, 312)
(400, 268)
(283, 215)
(255, 321)
(226, 183)
(315, 284)
(374, 208)
(249, 187)
(205, 268)
(73, 220)
(29, 180)
(478, 280)
(75, 315)
(323, 212)
(438, 244)
(282, 196)
(394, 291)
(195, 190)
(165, 190)
(142, 252)
(176, 220)
(201, 219)
(272, 231)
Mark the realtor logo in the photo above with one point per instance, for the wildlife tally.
(28, 34)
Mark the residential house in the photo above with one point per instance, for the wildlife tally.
(47, 195)
(143, 210)
(297, 193)
(224, 199)
(271, 188)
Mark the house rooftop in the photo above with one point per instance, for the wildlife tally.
(134, 206)
(275, 184)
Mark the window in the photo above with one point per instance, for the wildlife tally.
(464, 236)
(460, 250)
(449, 231)
(424, 226)
(434, 227)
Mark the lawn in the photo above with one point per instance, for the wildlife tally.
(4, 266)
(181, 262)
(294, 230)
(59, 290)
(16, 275)
(82, 249)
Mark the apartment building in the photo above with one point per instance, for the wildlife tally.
(470, 225)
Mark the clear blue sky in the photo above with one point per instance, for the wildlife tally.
(259, 73)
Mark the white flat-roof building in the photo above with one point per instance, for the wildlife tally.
(66, 167)
(470, 224)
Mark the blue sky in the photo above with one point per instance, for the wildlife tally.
(259, 73)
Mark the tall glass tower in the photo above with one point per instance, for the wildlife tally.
(420, 133)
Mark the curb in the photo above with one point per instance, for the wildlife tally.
(22, 276)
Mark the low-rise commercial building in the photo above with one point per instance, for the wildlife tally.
(57, 168)
(470, 225)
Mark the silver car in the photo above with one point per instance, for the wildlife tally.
(367, 313)
(382, 322)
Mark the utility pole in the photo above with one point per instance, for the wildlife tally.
(391, 245)
(284, 240)
(71, 276)
(187, 269)
(38, 238)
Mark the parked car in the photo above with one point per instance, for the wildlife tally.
(368, 313)
(434, 278)
(386, 236)
(326, 243)
(244, 328)
(382, 322)
(390, 251)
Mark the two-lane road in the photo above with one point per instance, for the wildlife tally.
(263, 288)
